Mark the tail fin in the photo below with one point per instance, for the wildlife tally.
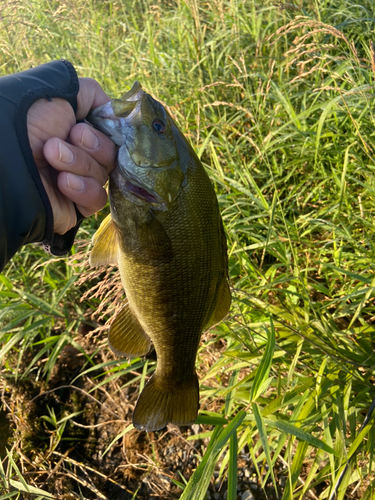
(161, 403)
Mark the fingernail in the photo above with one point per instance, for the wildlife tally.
(65, 154)
(89, 139)
(75, 182)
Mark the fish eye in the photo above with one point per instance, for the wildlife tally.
(159, 126)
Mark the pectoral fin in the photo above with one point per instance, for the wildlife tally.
(223, 300)
(155, 242)
(105, 244)
(126, 336)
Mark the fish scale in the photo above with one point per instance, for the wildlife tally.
(166, 235)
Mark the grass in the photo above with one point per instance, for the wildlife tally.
(277, 99)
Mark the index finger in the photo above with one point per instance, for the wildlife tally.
(95, 143)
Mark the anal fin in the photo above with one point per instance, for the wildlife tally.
(126, 336)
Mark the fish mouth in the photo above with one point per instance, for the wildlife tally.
(118, 108)
(134, 94)
(111, 117)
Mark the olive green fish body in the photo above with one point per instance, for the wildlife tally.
(171, 253)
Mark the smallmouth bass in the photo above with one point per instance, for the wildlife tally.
(166, 236)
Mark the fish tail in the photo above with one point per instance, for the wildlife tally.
(161, 403)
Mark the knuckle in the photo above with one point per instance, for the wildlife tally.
(85, 164)
(93, 203)
(103, 175)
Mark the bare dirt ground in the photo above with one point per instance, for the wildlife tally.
(71, 460)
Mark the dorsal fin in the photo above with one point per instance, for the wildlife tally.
(222, 305)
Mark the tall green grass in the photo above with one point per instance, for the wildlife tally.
(277, 99)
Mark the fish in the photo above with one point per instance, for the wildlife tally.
(165, 233)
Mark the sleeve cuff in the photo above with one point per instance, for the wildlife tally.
(54, 79)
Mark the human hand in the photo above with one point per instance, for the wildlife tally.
(74, 160)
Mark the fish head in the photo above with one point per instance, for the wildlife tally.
(149, 170)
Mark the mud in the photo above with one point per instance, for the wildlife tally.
(4, 433)
(68, 435)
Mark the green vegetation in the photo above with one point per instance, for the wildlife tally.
(277, 99)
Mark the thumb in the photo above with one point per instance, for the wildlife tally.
(90, 96)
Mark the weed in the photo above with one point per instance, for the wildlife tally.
(277, 99)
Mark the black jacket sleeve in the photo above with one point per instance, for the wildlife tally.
(25, 211)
